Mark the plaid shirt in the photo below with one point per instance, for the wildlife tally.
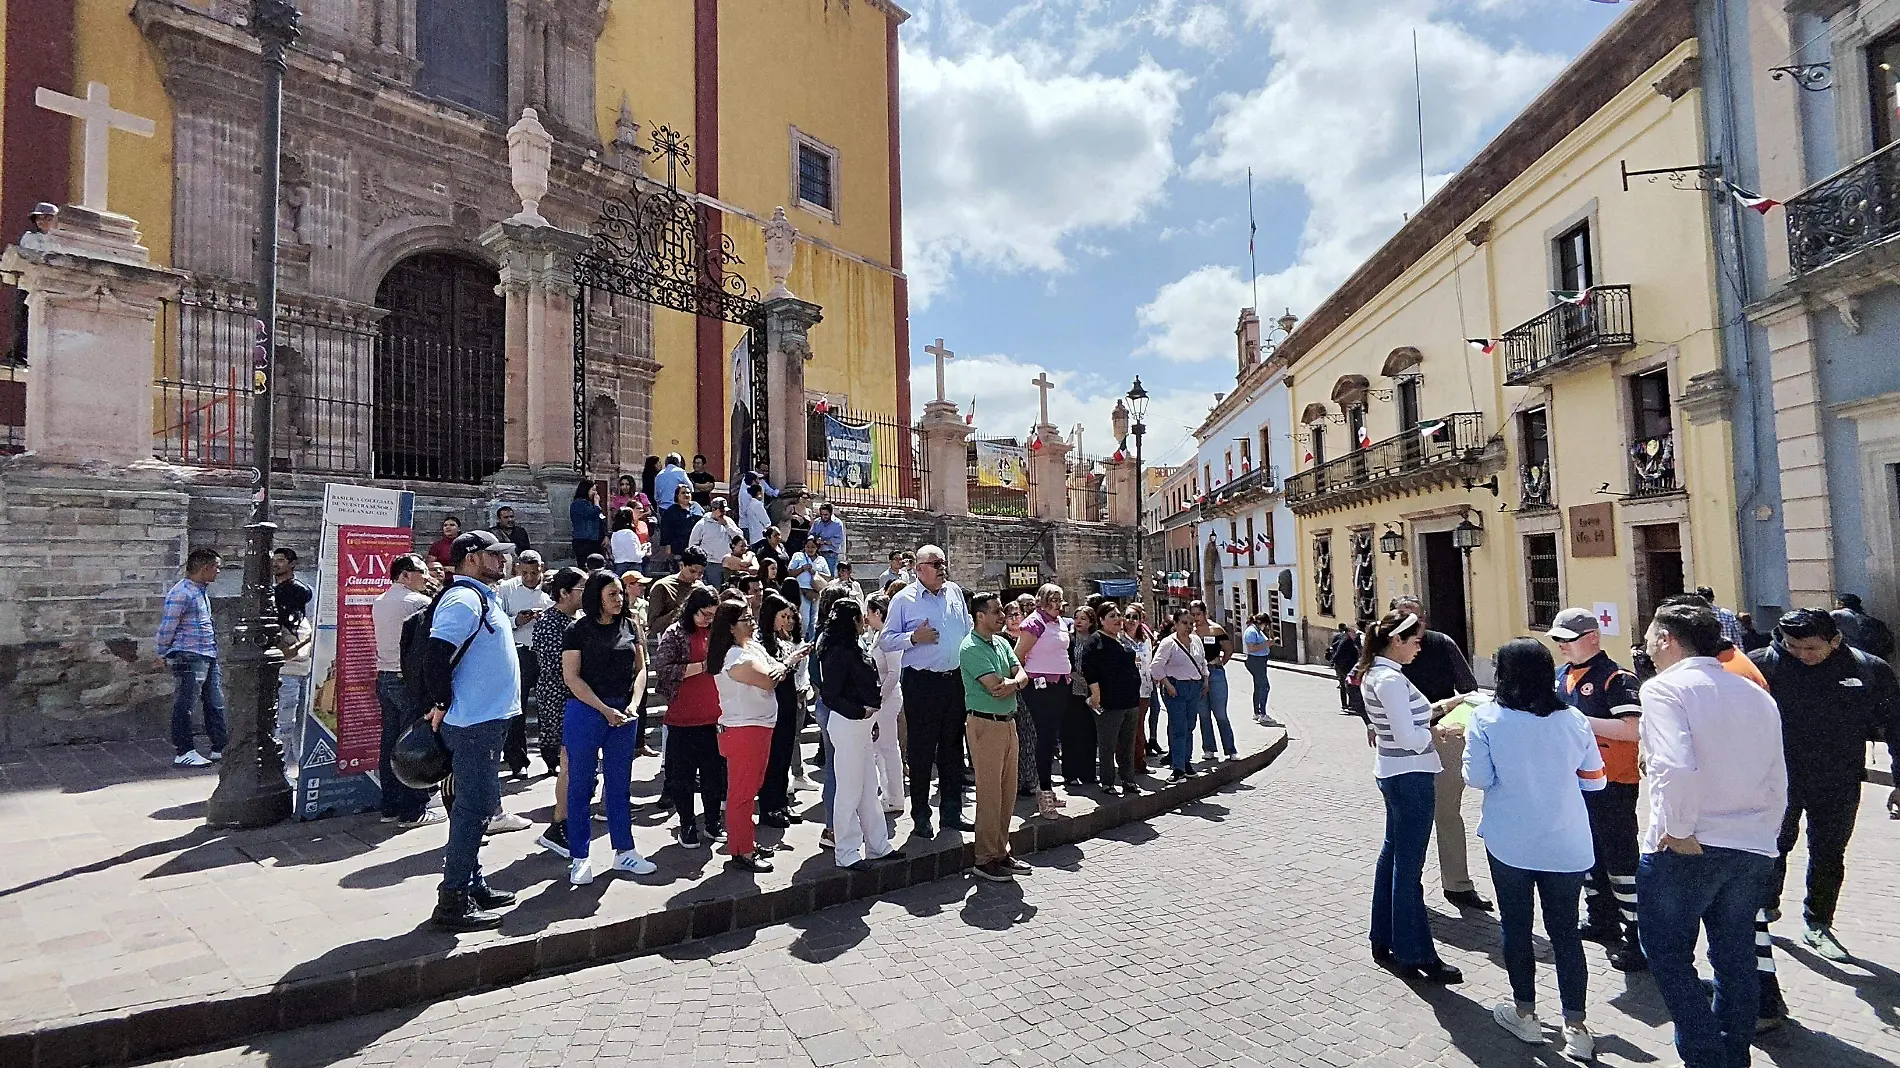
(185, 624)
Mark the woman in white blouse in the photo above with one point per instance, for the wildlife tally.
(1407, 767)
(629, 551)
(747, 678)
(1179, 670)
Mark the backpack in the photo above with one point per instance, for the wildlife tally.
(415, 648)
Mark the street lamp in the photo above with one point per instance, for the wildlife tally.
(251, 790)
(1391, 543)
(1138, 411)
(1466, 536)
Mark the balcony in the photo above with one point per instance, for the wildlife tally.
(1569, 335)
(1653, 467)
(1403, 463)
(1249, 489)
(1853, 209)
(1533, 487)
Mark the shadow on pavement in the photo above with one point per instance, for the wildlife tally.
(997, 906)
(1879, 987)
(829, 934)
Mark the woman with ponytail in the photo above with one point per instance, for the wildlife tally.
(1406, 766)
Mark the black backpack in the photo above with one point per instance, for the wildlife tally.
(415, 648)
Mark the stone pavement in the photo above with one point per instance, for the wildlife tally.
(1230, 932)
(126, 924)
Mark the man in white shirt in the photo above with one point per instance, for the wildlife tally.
(523, 602)
(409, 579)
(713, 536)
(1718, 786)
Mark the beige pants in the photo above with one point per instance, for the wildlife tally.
(993, 753)
(1454, 869)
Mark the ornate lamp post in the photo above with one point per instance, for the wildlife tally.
(1138, 411)
(251, 788)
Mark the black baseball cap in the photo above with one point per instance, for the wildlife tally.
(477, 541)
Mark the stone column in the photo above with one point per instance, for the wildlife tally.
(1048, 468)
(1806, 514)
(537, 280)
(946, 486)
(92, 298)
(788, 322)
(1121, 491)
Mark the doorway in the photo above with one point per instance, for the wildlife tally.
(1658, 568)
(440, 370)
(1445, 587)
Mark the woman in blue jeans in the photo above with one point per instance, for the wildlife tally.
(1259, 649)
(1217, 647)
(603, 662)
(1534, 757)
(1180, 674)
(1406, 765)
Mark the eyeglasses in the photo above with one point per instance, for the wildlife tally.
(938, 564)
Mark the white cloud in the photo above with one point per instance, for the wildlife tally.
(1008, 160)
(1006, 403)
(1332, 126)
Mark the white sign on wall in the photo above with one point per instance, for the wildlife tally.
(1608, 622)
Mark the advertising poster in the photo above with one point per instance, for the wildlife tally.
(340, 740)
(850, 462)
(1002, 465)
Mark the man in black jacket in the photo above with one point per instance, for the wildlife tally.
(1833, 700)
(1441, 672)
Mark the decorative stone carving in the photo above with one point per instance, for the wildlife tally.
(781, 248)
(1681, 78)
(1707, 397)
(629, 154)
(529, 153)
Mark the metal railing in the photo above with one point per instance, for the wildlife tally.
(1851, 209)
(1452, 439)
(864, 459)
(1603, 321)
(1653, 466)
(1265, 476)
(997, 500)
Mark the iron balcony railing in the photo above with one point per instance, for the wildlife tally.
(1602, 321)
(1851, 209)
(1452, 439)
(1265, 477)
(1653, 466)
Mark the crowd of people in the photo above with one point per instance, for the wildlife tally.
(1736, 748)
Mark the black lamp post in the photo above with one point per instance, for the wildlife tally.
(1138, 412)
(251, 789)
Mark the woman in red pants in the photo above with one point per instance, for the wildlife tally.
(748, 678)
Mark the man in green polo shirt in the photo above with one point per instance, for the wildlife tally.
(991, 677)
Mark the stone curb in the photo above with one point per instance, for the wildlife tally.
(147, 1034)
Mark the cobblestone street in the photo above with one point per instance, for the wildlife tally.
(1229, 932)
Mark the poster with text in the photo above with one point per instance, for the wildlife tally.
(850, 462)
(340, 741)
(1002, 465)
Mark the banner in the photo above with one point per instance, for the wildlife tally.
(850, 461)
(744, 419)
(1002, 465)
(339, 740)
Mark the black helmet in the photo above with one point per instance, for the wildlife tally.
(420, 760)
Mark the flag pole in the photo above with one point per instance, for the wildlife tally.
(1253, 268)
(1418, 91)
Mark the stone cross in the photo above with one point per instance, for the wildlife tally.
(942, 354)
(101, 119)
(1043, 385)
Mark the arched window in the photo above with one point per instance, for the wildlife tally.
(462, 47)
(440, 371)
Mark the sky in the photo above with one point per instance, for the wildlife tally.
(1075, 178)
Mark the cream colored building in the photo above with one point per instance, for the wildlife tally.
(1587, 455)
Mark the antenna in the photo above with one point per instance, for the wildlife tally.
(1418, 87)
(1253, 268)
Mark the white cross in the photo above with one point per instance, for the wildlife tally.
(941, 354)
(100, 119)
(1043, 385)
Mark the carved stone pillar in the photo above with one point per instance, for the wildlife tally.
(788, 323)
(946, 485)
(1121, 492)
(92, 298)
(1048, 470)
(537, 281)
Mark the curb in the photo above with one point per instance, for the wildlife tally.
(147, 1034)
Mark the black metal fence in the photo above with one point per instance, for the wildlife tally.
(1449, 439)
(1845, 212)
(864, 459)
(1003, 500)
(1603, 321)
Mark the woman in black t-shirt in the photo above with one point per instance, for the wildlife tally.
(1110, 664)
(603, 661)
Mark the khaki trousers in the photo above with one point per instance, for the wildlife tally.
(1454, 869)
(993, 752)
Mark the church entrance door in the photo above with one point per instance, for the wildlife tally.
(440, 370)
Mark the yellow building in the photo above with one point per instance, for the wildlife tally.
(1587, 453)
(396, 161)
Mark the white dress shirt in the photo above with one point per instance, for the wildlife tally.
(1711, 744)
(515, 597)
(713, 536)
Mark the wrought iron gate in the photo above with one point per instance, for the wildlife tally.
(652, 246)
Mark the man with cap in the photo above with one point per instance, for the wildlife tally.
(473, 676)
(523, 602)
(1606, 693)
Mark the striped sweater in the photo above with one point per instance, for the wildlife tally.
(1401, 721)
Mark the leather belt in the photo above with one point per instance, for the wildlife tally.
(1006, 717)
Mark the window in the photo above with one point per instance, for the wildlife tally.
(1246, 455)
(1572, 259)
(1252, 543)
(1207, 474)
(462, 50)
(815, 175)
(1356, 422)
(1540, 576)
(1319, 444)
(1535, 425)
(1649, 404)
(1266, 445)
(1230, 465)
(1883, 88)
(1534, 445)
(1409, 416)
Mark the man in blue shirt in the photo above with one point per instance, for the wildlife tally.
(669, 480)
(928, 621)
(474, 681)
(188, 642)
(828, 532)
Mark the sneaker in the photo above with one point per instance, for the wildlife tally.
(1017, 867)
(994, 871)
(1628, 958)
(717, 831)
(580, 871)
(689, 836)
(777, 819)
(215, 755)
(827, 840)
(190, 759)
(630, 862)
(385, 818)
(429, 818)
(554, 840)
(1524, 1027)
(506, 822)
(1579, 1043)
(752, 862)
(1060, 803)
(1822, 941)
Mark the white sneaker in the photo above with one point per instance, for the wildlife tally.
(631, 862)
(190, 759)
(579, 871)
(429, 817)
(506, 822)
(1524, 1027)
(1579, 1044)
